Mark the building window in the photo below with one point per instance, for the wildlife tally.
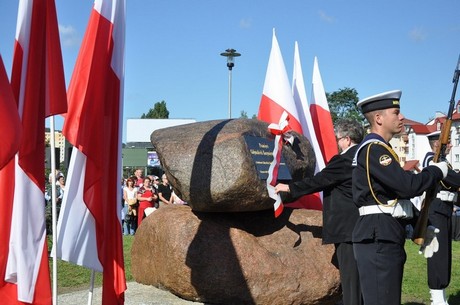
(457, 157)
(457, 142)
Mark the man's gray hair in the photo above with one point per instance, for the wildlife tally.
(350, 128)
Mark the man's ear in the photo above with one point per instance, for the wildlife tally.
(378, 118)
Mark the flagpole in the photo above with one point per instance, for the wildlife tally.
(91, 287)
(53, 207)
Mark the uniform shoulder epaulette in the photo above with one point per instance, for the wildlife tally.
(363, 144)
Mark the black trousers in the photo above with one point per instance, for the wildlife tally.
(440, 264)
(349, 276)
(380, 266)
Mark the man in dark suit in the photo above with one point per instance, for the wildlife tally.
(339, 211)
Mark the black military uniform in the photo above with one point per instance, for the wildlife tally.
(440, 216)
(339, 216)
(378, 182)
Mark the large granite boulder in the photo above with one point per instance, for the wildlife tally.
(236, 258)
(210, 165)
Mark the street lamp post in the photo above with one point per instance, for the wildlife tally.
(230, 54)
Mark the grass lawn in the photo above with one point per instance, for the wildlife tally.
(415, 289)
(73, 278)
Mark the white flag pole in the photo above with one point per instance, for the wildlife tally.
(91, 287)
(53, 207)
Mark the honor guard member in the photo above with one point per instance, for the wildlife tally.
(339, 211)
(381, 190)
(440, 216)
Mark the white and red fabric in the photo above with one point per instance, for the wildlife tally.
(277, 102)
(38, 85)
(280, 131)
(321, 116)
(11, 141)
(89, 229)
(301, 102)
(277, 97)
(313, 201)
(11, 124)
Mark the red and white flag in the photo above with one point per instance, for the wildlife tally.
(277, 98)
(301, 102)
(313, 201)
(277, 95)
(89, 229)
(321, 117)
(277, 102)
(11, 124)
(39, 88)
(10, 140)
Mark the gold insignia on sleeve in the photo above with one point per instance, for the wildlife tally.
(385, 160)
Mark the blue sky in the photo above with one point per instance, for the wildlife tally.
(173, 50)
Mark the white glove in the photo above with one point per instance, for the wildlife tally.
(442, 166)
(430, 244)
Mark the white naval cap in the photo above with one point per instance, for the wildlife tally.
(434, 135)
(389, 99)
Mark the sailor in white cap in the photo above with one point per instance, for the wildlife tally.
(381, 189)
(440, 216)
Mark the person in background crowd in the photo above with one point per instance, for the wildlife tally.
(381, 190)
(129, 207)
(165, 191)
(339, 211)
(155, 181)
(146, 195)
(176, 199)
(58, 173)
(122, 203)
(138, 178)
(60, 189)
(440, 216)
(59, 186)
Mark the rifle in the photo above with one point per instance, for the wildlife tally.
(422, 222)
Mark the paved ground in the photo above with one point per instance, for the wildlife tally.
(137, 294)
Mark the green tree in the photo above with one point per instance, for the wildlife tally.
(342, 104)
(244, 115)
(159, 111)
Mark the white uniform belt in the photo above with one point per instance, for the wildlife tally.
(400, 209)
(375, 209)
(447, 196)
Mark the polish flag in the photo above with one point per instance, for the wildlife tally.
(39, 88)
(321, 117)
(9, 116)
(301, 102)
(277, 95)
(89, 230)
(313, 201)
(277, 98)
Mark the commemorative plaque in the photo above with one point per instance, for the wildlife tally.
(261, 150)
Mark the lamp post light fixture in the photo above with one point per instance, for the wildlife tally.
(230, 54)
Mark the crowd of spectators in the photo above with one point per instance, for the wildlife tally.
(142, 196)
